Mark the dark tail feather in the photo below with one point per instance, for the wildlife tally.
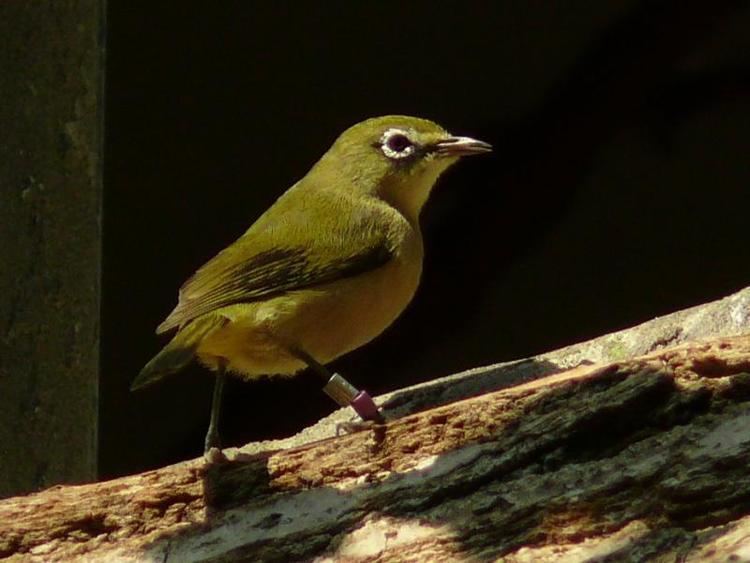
(178, 353)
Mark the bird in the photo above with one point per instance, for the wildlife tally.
(324, 270)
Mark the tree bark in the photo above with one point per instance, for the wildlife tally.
(634, 459)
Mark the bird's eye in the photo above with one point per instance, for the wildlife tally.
(396, 144)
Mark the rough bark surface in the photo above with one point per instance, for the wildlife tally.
(638, 459)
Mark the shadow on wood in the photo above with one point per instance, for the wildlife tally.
(632, 459)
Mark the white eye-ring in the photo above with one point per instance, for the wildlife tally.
(396, 144)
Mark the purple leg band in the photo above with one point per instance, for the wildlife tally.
(365, 407)
(345, 394)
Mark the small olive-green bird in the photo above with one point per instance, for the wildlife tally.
(324, 270)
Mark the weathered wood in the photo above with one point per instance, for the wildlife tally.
(633, 459)
(729, 316)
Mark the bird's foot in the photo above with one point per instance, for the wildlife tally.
(212, 448)
(356, 426)
(214, 456)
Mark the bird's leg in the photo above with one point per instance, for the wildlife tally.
(341, 391)
(212, 445)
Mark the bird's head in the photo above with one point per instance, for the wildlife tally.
(397, 158)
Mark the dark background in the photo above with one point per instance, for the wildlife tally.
(618, 189)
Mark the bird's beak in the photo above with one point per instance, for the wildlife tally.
(461, 146)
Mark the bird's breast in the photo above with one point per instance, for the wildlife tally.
(334, 319)
(326, 321)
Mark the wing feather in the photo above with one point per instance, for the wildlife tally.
(313, 258)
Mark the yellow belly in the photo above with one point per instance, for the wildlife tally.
(326, 322)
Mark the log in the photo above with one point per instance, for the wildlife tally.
(632, 459)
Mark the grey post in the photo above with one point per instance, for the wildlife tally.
(51, 102)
